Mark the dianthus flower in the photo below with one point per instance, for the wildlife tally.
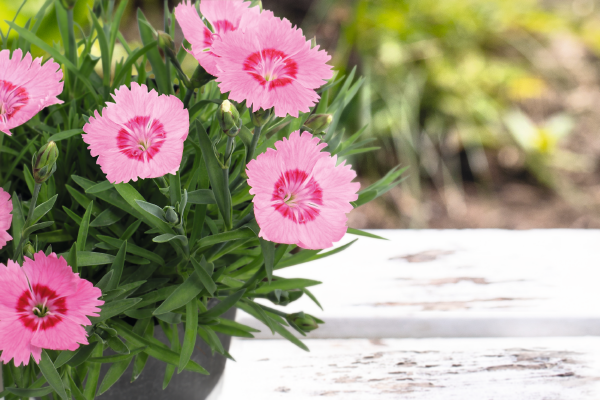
(271, 65)
(5, 217)
(140, 135)
(26, 87)
(300, 195)
(43, 306)
(223, 15)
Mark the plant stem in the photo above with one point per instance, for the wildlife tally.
(28, 221)
(188, 96)
(72, 48)
(252, 149)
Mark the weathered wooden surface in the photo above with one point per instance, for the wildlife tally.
(427, 369)
(456, 283)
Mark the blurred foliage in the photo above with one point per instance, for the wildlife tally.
(443, 79)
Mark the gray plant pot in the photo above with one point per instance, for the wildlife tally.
(184, 386)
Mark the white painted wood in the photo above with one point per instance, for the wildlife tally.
(456, 283)
(418, 369)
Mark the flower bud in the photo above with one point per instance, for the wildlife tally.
(170, 215)
(28, 250)
(284, 297)
(165, 41)
(261, 117)
(199, 78)
(318, 123)
(44, 162)
(229, 118)
(304, 322)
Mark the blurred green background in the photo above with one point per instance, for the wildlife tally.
(493, 104)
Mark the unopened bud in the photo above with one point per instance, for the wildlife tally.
(200, 78)
(28, 250)
(318, 123)
(44, 162)
(261, 117)
(229, 118)
(165, 41)
(170, 215)
(304, 322)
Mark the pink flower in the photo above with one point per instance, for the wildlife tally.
(5, 217)
(271, 65)
(224, 16)
(43, 306)
(141, 135)
(26, 87)
(301, 196)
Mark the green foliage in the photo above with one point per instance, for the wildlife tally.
(159, 256)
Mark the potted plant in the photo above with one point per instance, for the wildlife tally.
(157, 203)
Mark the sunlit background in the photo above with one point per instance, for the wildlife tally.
(493, 104)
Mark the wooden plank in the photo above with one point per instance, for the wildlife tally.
(419, 369)
(457, 283)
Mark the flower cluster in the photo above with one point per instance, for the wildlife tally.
(301, 195)
(256, 57)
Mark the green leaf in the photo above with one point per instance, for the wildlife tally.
(28, 231)
(84, 227)
(215, 175)
(117, 345)
(106, 218)
(103, 282)
(156, 296)
(268, 250)
(184, 293)
(18, 221)
(156, 350)
(72, 258)
(57, 137)
(189, 338)
(90, 258)
(201, 196)
(205, 278)
(43, 208)
(93, 375)
(209, 336)
(242, 233)
(64, 357)
(117, 268)
(51, 375)
(169, 318)
(114, 308)
(156, 61)
(286, 284)
(31, 392)
(104, 50)
(131, 196)
(100, 187)
(358, 232)
(116, 358)
(167, 237)
(82, 354)
(223, 305)
(133, 249)
(152, 209)
(112, 376)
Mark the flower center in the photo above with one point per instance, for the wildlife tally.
(141, 138)
(12, 99)
(297, 197)
(271, 68)
(40, 308)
